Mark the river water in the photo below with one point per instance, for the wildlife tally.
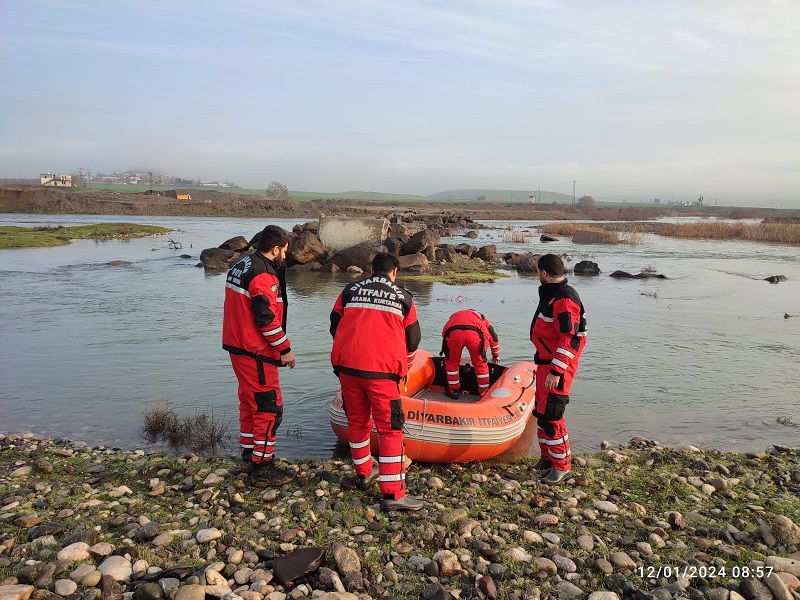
(704, 358)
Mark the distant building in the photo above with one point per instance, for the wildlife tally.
(51, 180)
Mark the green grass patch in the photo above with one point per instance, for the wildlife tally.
(457, 273)
(43, 237)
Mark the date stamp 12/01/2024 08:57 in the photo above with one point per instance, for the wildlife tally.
(704, 571)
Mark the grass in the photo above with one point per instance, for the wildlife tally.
(44, 237)
(458, 273)
(606, 236)
(202, 432)
(784, 233)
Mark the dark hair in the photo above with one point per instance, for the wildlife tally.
(385, 262)
(272, 236)
(552, 264)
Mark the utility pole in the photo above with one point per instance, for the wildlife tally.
(80, 170)
(573, 191)
(151, 181)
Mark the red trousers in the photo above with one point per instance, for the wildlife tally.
(457, 340)
(549, 412)
(367, 400)
(260, 406)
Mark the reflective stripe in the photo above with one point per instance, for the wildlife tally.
(275, 331)
(243, 434)
(560, 440)
(259, 442)
(581, 334)
(546, 319)
(390, 459)
(565, 352)
(452, 372)
(361, 461)
(269, 443)
(359, 444)
(559, 454)
(398, 477)
(238, 290)
(558, 363)
(249, 446)
(482, 376)
(279, 342)
(354, 304)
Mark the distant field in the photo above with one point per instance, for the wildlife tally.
(297, 196)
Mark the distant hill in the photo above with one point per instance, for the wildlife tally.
(521, 196)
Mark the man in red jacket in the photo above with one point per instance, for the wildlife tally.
(375, 338)
(254, 333)
(471, 330)
(558, 331)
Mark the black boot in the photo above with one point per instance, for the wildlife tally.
(267, 474)
(247, 461)
(544, 464)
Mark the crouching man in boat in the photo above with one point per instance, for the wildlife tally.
(375, 338)
(254, 333)
(558, 331)
(471, 330)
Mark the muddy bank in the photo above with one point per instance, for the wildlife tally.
(209, 203)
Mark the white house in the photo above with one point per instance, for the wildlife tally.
(51, 180)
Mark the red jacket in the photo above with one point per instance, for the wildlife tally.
(473, 320)
(558, 329)
(254, 316)
(375, 329)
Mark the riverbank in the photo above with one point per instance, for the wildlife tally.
(45, 237)
(92, 523)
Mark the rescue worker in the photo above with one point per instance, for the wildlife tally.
(471, 330)
(558, 331)
(254, 333)
(375, 338)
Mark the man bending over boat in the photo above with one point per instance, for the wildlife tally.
(558, 331)
(375, 338)
(471, 330)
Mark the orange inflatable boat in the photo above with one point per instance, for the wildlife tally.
(443, 430)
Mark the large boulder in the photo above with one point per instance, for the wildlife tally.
(218, 259)
(394, 245)
(308, 226)
(465, 249)
(487, 253)
(360, 255)
(528, 263)
(306, 248)
(414, 262)
(445, 253)
(237, 244)
(587, 267)
(423, 242)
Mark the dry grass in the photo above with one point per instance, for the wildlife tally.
(202, 432)
(784, 233)
(518, 237)
(606, 236)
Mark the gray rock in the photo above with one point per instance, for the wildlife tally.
(347, 560)
(777, 587)
(118, 567)
(191, 592)
(568, 591)
(753, 589)
(297, 563)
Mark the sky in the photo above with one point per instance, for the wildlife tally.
(633, 100)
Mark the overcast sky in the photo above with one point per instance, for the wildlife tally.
(633, 99)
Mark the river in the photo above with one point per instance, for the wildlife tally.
(704, 358)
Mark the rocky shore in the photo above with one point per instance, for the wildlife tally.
(638, 521)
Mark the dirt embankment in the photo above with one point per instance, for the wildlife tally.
(208, 203)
